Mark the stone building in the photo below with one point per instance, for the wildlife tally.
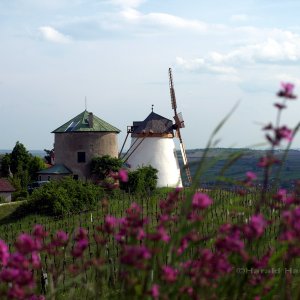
(77, 142)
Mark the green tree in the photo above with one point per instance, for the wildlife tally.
(35, 164)
(102, 166)
(23, 166)
(19, 158)
(5, 164)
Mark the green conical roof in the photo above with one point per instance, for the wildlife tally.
(56, 169)
(81, 123)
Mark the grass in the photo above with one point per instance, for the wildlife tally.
(7, 209)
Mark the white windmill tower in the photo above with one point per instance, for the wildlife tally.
(152, 143)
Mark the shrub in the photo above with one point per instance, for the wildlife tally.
(142, 180)
(104, 165)
(64, 196)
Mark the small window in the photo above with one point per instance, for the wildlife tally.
(49, 177)
(75, 177)
(81, 157)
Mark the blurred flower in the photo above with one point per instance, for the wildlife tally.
(256, 226)
(287, 91)
(155, 291)
(4, 253)
(123, 175)
(201, 200)
(169, 274)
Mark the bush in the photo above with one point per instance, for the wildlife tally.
(64, 196)
(102, 166)
(142, 180)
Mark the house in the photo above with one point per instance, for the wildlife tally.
(6, 189)
(77, 142)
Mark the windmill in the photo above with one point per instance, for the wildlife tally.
(179, 123)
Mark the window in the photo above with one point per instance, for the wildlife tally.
(81, 157)
(75, 177)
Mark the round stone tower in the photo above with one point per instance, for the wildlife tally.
(81, 139)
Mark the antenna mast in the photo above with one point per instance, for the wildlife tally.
(179, 123)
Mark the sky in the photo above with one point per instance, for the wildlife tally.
(54, 54)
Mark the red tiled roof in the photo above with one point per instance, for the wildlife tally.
(5, 186)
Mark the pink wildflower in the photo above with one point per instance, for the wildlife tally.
(79, 247)
(16, 292)
(169, 274)
(9, 274)
(287, 91)
(256, 226)
(123, 175)
(201, 201)
(110, 223)
(4, 253)
(251, 176)
(135, 255)
(35, 260)
(155, 291)
(284, 133)
(61, 238)
(39, 231)
(163, 234)
(25, 243)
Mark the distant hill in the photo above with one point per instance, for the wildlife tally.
(218, 158)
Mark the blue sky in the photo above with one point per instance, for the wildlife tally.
(116, 53)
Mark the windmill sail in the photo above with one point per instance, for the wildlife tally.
(179, 123)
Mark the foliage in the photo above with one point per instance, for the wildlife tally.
(35, 164)
(48, 156)
(5, 164)
(102, 166)
(19, 158)
(63, 197)
(141, 180)
(22, 165)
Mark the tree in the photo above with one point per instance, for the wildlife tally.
(5, 164)
(19, 158)
(23, 166)
(102, 166)
(35, 164)
(48, 156)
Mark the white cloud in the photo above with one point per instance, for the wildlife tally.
(271, 50)
(52, 35)
(201, 65)
(162, 20)
(275, 49)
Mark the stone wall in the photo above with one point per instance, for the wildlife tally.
(93, 144)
